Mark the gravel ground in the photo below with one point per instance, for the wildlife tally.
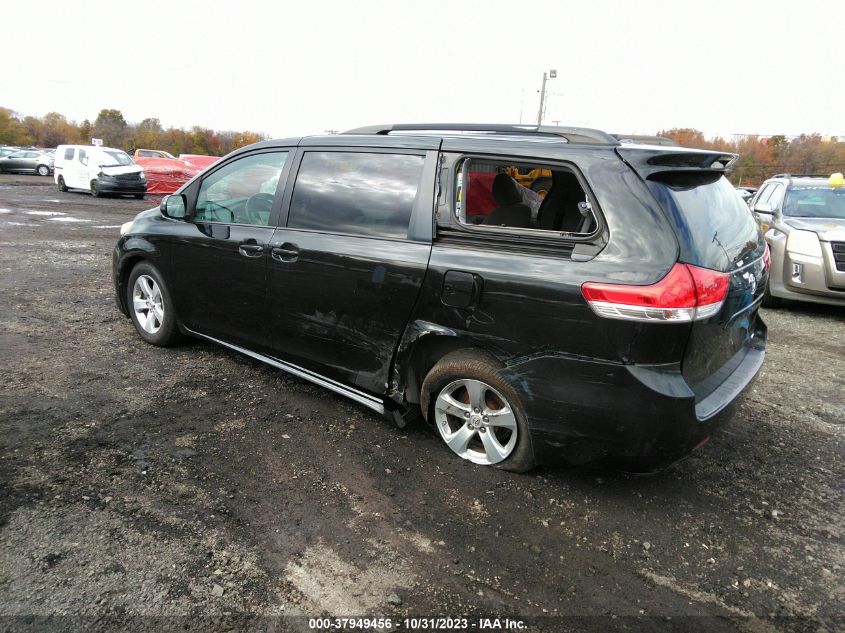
(197, 489)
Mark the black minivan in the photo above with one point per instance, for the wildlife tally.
(539, 294)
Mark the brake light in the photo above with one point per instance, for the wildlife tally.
(767, 257)
(686, 293)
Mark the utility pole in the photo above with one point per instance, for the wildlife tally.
(550, 75)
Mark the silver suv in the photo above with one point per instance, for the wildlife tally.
(803, 218)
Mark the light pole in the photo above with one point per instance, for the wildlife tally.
(550, 75)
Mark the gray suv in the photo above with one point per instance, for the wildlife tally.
(803, 218)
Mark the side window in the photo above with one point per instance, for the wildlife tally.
(242, 192)
(777, 197)
(356, 192)
(763, 194)
(146, 154)
(83, 157)
(69, 153)
(524, 196)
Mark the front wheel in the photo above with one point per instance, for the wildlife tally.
(477, 413)
(62, 185)
(43, 170)
(94, 191)
(151, 307)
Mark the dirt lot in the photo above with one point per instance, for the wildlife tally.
(194, 488)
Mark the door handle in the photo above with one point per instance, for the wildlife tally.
(287, 252)
(250, 250)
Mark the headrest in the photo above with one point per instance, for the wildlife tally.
(506, 190)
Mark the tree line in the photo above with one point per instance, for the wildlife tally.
(761, 157)
(55, 129)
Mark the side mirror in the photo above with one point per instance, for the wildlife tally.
(764, 215)
(173, 207)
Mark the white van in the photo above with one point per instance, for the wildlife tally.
(100, 170)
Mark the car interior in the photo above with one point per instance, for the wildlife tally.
(524, 197)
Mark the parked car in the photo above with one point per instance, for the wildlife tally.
(5, 151)
(746, 193)
(153, 153)
(619, 321)
(803, 217)
(100, 170)
(27, 162)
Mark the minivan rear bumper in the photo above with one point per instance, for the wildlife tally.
(582, 410)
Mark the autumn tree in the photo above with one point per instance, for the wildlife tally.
(55, 130)
(147, 134)
(32, 130)
(12, 131)
(111, 127)
(86, 132)
(688, 137)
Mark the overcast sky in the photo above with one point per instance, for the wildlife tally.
(294, 68)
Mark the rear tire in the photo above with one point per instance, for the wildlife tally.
(151, 306)
(476, 412)
(62, 185)
(139, 196)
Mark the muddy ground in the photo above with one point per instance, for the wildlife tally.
(196, 489)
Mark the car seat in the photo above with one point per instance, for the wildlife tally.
(511, 211)
(560, 210)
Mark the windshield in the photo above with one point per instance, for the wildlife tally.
(815, 202)
(114, 157)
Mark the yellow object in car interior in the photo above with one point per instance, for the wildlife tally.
(836, 180)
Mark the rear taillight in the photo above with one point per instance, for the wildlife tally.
(687, 293)
(767, 257)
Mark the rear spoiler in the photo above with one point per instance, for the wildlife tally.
(650, 160)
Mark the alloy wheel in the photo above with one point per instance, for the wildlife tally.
(147, 304)
(476, 421)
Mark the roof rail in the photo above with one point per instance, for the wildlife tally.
(801, 176)
(646, 139)
(569, 134)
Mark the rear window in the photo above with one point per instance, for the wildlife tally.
(714, 226)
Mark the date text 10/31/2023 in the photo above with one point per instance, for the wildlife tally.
(416, 624)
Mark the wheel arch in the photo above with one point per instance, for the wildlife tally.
(422, 346)
(135, 251)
